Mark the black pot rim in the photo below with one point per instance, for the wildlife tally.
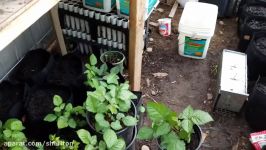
(133, 138)
(117, 132)
(200, 140)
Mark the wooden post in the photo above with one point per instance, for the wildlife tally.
(58, 30)
(136, 42)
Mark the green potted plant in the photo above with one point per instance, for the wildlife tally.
(113, 58)
(11, 135)
(174, 131)
(110, 105)
(110, 141)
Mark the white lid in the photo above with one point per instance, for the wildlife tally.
(199, 17)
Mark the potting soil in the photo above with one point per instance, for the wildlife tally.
(257, 24)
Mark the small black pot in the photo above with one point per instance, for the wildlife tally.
(196, 136)
(32, 68)
(126, 133)
(11, 100)
(132, 144)
(256, 56)
(255, 110)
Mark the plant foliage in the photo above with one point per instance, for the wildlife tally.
(171, 129)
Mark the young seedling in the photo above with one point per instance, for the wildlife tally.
(61, 144)
(66, 115)
(172, 130)
(110, 141)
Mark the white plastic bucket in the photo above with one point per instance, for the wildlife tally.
(196, 28)
(165, 26)
(100, 5)
(183, 2)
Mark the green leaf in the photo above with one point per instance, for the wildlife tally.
(157, 111)
(162, 130)
(184, 135)
(7, 133)
(57, 100)
(142, 109)
(93, 60)
(50, 118)
(103, 69)
(84, 136)
(1, 124)
(124, 106)
(119, 145)
(111, 78)
(57, 109)
(109, 137)
(145, 133)
(129, 121)
(16, 125)
(116, 125)
(92, 104)
(115, 70)
(62, 122)
(187, 125)
(172, 142)
(177, 145)
(126, 95)
(112, 109)
(201, 117)
(89, 147)
(93, 140)
(119, 116)
(187, 113)
(101, 121)
(72, 123)
(69, 107)
(102, 145)
(18, 136)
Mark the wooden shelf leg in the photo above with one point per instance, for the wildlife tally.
(58, 30)
(136, 44)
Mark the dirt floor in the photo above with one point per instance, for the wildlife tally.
(192, 82)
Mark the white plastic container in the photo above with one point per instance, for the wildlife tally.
(165, 26)
(196, 28)
(100, 5)
(183, 2)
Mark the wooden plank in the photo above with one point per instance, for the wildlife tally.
(24, 21)
(136, 28)
(58, 30)
(173, 10)
(10, 10)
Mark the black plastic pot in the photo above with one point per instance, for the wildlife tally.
(250, 26)
(255, 111)
(256, 56)
(126, 133)
(67, 71)
(138, 103)
(252, 10)
(11, 100)
(132, 144)
(222, 5)
(196, 140)
(40, 103)
(32, 68)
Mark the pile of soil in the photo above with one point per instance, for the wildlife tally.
(11, 100)
(40, 102)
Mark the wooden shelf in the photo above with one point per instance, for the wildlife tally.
(14, 24)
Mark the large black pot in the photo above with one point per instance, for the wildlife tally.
(39, 103)
(132, 144)
(255, 110)
(250, 26)
(196, 140)
(11, 100)
(32, 68)
(256, 56)
(126, 133)
(138, 103)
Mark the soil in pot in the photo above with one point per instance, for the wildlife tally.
(39, 104)
(67, 71)
(126, 133)
(30, 66)
(11, 100)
